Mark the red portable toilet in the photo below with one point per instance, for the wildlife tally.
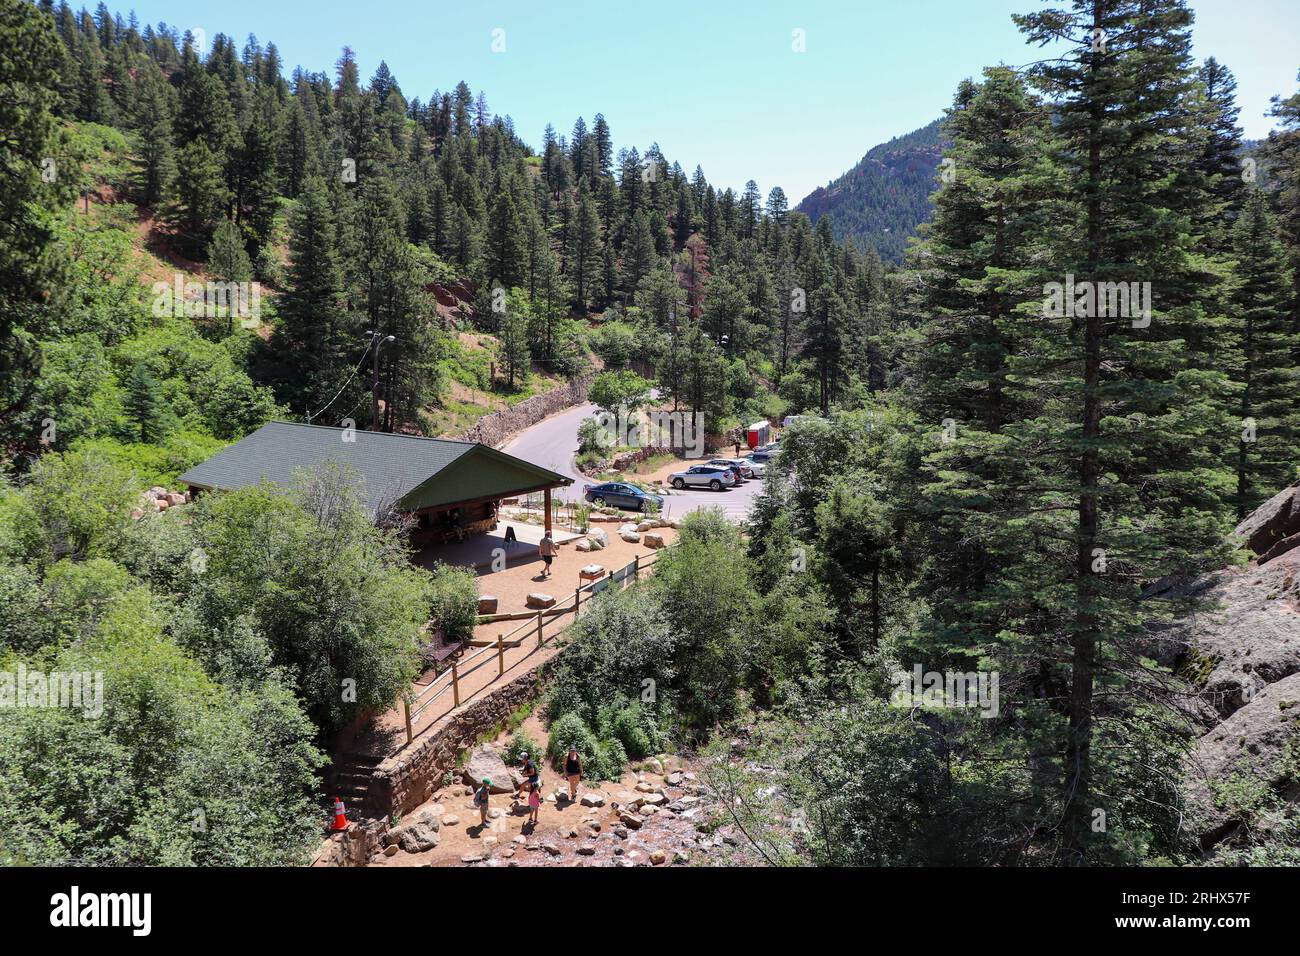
(759, 433)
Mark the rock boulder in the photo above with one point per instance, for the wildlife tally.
(485, 763)
(419, 835)
(1274, 521)
(1252, 741)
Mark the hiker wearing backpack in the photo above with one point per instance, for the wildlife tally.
(481, 797)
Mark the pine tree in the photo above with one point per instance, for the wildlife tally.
(227, 259)
(512, 333)
(586, 250)
(1269, 451)
(200, 192)
(310, 336)
(1135, 422)
(778, 207)
(147, 407)
(662, 300)
(638, 255)
(506, 248)
(550, 303)
(750, 211)
(825, 339)
(977, 280)
(256, 185)
(29, 259)
(603, 144)
(1283, 154)
(1220, 164)
(156, 146)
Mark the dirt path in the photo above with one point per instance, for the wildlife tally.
(511, 586)
(658, 816)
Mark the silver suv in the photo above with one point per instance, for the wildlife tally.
(703, 476)
(739, 467)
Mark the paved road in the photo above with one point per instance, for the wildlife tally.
(553, 443)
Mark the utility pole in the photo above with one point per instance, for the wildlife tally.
(374, 378)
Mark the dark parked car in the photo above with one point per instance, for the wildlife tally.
(620, 495)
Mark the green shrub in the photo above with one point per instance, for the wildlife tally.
(602, 759)
(616, 343)
(454, 603)
(609, 761)
(622, 646)
(570, 730)
(637, 732)
(521, 743)
(593, 438)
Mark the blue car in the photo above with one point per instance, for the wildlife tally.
(620, 495)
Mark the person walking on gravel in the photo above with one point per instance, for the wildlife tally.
(481, 797)
(573, 771)
(534, 803)
(529, 774)
(547, 550)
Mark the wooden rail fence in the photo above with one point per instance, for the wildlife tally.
(415, 705)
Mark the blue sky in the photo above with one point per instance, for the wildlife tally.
(716, 82)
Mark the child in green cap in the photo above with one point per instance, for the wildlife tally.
(481, 800)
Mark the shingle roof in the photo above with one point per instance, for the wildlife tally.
(391, 465)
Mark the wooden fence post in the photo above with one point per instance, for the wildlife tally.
(501, 654)
(577, 601)
(455, 685)
(539, 628)
(406, 705)
(636, 567)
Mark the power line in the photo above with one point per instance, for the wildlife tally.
(345, 384)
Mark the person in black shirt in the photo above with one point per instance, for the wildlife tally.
(573, 771)
(530, 773)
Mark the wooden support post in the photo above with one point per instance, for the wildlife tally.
(636, 567)
(501, 654)
(546, 498)
(406, 705)
(577, 600)
(455, 685)
(539, 628)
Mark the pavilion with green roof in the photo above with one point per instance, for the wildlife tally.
(453, 488)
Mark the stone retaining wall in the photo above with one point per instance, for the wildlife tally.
(497, 428)
(353, 846)
(403, 783)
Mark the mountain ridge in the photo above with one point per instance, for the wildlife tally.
(881, 201)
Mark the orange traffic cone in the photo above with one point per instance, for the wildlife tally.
(340, 818)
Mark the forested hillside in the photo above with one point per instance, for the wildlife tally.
(1025, 437)
(355, 204)
(879, 203)
(137, 164)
